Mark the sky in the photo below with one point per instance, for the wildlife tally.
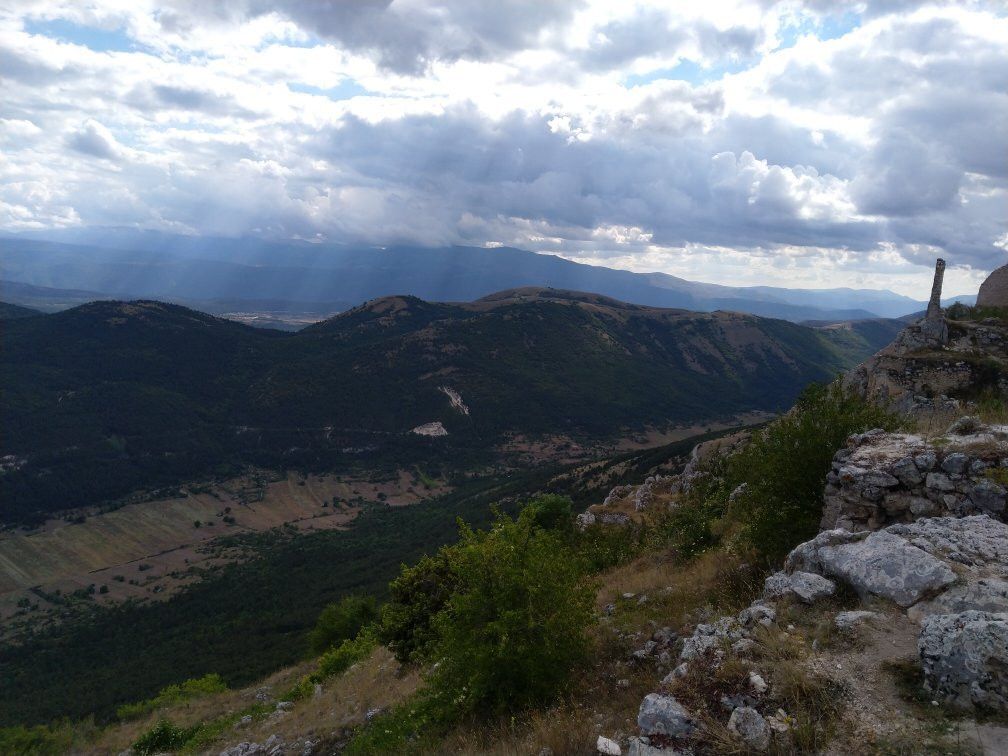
(817, 144)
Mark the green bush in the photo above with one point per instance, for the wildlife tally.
(348, 653)
(342, 621)
(515, 625)
(184, 691)
(164, 736)
(783, 469)
(785, 465)
(550, 512)
(34, 741)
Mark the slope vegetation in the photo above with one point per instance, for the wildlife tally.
(113, 397)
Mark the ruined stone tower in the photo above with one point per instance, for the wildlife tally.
(934, 306)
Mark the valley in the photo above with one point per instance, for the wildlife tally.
(300, 456)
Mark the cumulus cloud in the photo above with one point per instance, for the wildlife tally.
(565, 127)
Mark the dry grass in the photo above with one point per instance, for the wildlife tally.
(375, 683)
(712, 583)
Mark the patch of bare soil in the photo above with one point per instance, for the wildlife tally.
(150, 550)
(879, 717)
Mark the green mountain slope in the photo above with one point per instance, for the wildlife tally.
(111, 397)
(10, 311)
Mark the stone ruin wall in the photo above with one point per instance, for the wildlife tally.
(884, 478)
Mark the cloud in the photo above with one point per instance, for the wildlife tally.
(95, 140)
(566, 127)
(903, 176)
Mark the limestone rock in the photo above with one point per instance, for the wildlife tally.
(748, 725)
(888, 478)
(994, 290)
(984, 595)
(847, 620)
(977, 541)
(757, 613)
(609, 747)
(965, 658)
(888, 566)
(663, 715)
(807, 586)
(805, 556)
(637, 747)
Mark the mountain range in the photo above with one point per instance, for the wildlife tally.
(254, 275)
(110, 397)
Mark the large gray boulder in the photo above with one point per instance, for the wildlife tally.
(663, 715)
(965, 658)
(978, 542)
(983, 595)
(886, 565)
(748, 725)
(807, 586)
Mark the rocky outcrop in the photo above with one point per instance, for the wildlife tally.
(965, 658)
(950, 573)
(994, 291)
(806, 586)
(935, 357)
(882, 478)
(944, 562)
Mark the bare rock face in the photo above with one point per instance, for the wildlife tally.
(883, 478)
(885, 565)
(994, 291)
(912, 564)
(965, 658)
(932, 360)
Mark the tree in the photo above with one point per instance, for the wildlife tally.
(341, 621)
(417, 595)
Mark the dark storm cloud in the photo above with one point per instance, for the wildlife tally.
(903, 176)
(518, 168)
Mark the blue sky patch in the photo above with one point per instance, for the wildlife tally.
(99, 40)
(343, 91)
(689, 71)
(832, 27)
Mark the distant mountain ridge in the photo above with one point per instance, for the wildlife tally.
(110, 397)
(245, 273)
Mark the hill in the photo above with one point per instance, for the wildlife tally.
(12, 311)
(111, 397)
(248, 274)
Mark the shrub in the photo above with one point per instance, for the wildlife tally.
(34, 741)
(511, 632)
(342, 621)
(784, 470)
(184, 691)
(416, 596)
(164, 736)
(550, 512)
(344, 656)
(785, 466)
